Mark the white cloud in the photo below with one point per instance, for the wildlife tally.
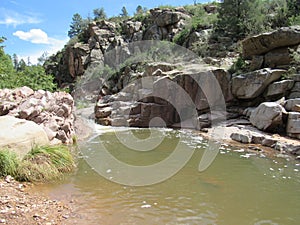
(36, 36)
(9, 17)
(53, 47)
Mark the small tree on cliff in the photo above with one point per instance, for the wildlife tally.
(99, 14)
(77, 25)
(124, 12)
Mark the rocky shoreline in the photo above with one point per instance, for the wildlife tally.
(19, 205)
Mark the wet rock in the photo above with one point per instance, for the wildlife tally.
(253, 84)
(268, 116)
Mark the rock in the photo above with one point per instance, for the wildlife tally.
(296, 77)
(256, 62)
(211, 8)
(268, 116)
(291, 103)
(277, 57)
(263, 43)
(21, 135)
(50, 110)
(252, 84)
(257, 138)
(293, 125)
(168, 18)
(247, 112)
(269, 142)
(296, 108)
(279, 88)
(294, 95)
(242, 137)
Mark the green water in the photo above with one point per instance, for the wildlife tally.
(238, 188)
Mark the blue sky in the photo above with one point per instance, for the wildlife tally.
(33, 27)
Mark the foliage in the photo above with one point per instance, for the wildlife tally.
(8, 163)
(19, 74)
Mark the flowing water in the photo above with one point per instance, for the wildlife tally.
(238, 188)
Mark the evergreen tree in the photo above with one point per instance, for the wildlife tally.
(124, 12)
(99, 14)
(21, 65)
(77, 25)
(139, 10)
(15, 61)
(6, 64)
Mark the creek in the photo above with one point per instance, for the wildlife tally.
(237, 188)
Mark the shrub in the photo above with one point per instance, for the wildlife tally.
(8, 163)
(42, 163)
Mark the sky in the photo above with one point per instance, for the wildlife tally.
(33, 27)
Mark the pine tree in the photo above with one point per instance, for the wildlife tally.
(124, 12)
(139, 10)
(99, 14)
(76, 26)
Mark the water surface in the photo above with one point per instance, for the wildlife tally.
(238, 188)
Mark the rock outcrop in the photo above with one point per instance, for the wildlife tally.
(263, 43)
(20, 135)
(52, 111)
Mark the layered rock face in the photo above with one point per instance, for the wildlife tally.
(52, 111)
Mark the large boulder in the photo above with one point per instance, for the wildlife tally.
(263, 43)
(293, 125)
(251, 85)
(268, 116)
(20, 135)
